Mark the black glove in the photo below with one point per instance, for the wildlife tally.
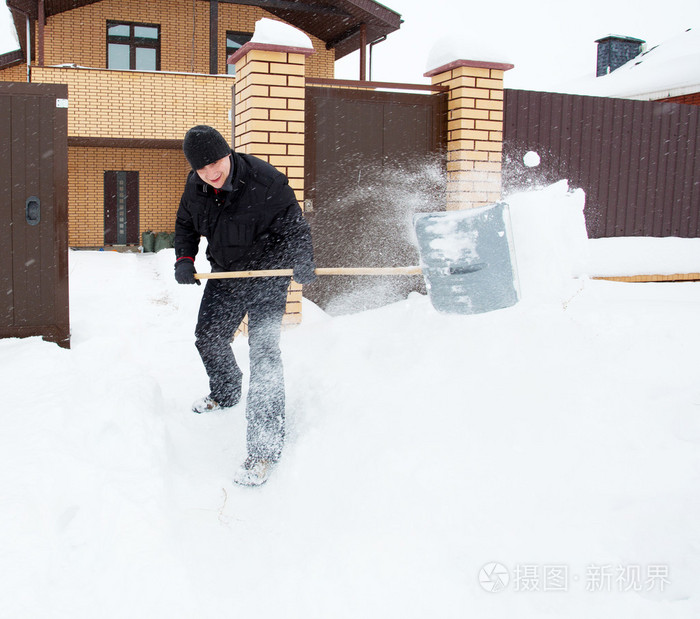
(184, 271)
(304, 273)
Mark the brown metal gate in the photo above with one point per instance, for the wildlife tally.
(637, 161)
(372, 160)
(34, 211)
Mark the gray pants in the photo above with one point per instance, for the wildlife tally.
(224, 304)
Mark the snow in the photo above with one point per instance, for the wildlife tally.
(554, 442)
(274, 32)
(557, 439)
(451, 243)
(456, 47)
(643, 256)
(531, 159)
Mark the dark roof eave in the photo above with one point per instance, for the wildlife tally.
(12, 58)
(352, 39)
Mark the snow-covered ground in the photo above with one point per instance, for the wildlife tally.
(550, 449)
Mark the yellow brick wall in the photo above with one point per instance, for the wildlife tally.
(242, 18)
(15, 73)
(269, 120)
(475, 134)
(79, 36)
(292, 314)
(270, 111)
(162, 175)
(126, 104)
(133, 104)
(322, 62)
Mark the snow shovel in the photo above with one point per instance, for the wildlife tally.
(467, 261)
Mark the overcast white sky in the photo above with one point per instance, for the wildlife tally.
(8, 39)
(548, 41)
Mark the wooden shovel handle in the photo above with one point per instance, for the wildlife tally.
(322, 271)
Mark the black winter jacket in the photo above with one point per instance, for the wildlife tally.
(257, 225)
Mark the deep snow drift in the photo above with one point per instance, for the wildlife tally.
(549, 449)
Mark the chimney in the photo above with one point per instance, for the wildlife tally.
(614, 51)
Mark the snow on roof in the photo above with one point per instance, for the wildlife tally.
(669, 69)
(274, 32)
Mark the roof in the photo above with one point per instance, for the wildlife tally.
(9, 58)
(336, 22)
(670, 69)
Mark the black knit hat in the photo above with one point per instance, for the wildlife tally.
(204, 145)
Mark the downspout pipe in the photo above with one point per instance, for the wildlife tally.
(29, 49)
(41, 22)
(371, 50)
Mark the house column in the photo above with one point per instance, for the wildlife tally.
(268, 119)
(475, 130)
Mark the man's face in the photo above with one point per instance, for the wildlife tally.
(215, 174)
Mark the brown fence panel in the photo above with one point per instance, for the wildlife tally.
(34, 211)
(637, 161)
(372, 159)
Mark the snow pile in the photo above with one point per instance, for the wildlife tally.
(558, 439)
(483, 47)
(273, 32)
(643, 256)
(551, 244)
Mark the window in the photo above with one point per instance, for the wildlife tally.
(133, 46)
(234, 41)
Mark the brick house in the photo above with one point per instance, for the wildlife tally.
(140, 73)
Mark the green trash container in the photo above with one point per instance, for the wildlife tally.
(148, 241)
(164, 240)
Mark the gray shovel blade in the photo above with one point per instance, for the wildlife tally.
(467, 259)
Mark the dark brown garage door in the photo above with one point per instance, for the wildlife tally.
(372, 160)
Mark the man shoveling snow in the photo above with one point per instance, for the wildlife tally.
(251, 219)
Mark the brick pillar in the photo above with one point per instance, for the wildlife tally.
(269, 119)
(475, 131)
